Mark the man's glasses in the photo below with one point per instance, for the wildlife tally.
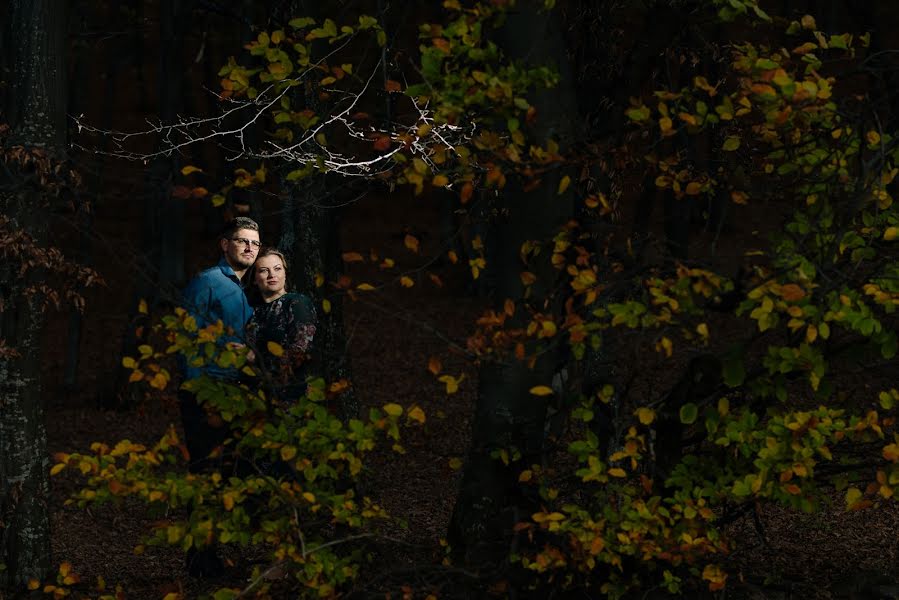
(246, 242)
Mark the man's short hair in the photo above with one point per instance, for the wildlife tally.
(235, 225)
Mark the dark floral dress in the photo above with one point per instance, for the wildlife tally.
(289, 322)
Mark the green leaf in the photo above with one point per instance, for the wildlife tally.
(688, 413)
(299, 23)
(731, 144)
(637, 113)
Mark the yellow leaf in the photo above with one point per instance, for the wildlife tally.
(190, 169)
(326, 305)
(703, 330)
(228, 500)
(891, 233)
(393, 409)
(693, 188)
(159, 381)
(33, 584)
(129, 363)
(309, 497)
(416, 414)
(57, 468)
(411, 242)
(811, 334)
(808, 22)
(338, 386)
(873, 138)
(406, 281)
(172, 596)
(541, 390)
(319, 280)
(365, 287)
(142, 307)
(288, 452)
(853, 495)
(275, 348)
(218, 200)
(731, 144)
(564, 183)
(452, 384)
(723, 406)
(646, 415)
(455, 464)
(525, 475)
(616, 472)
(891, 452)
(665, 345)
(440, 181)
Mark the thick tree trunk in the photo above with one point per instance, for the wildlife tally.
(507, 416)
(35, 106)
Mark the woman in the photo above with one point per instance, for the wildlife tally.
(288, 320)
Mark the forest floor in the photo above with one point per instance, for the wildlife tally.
(788, 555)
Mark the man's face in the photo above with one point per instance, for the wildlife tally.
(240, 251)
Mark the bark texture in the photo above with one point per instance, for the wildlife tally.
(507, 416)
(35, 107)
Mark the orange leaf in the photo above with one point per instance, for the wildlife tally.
(434, 365)
(792, 292)
(416, 414)
(411, 242)
(466, 192)
(442, 44)
(393, 86)
(382, 143)
(182, 192)
(352, 257)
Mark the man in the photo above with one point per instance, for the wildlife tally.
(216, 294)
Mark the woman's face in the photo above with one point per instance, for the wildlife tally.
(270, 275)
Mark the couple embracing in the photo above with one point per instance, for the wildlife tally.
(247, 291)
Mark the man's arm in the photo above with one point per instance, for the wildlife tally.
(197, 298)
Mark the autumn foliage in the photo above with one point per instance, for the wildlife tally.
(639, 489)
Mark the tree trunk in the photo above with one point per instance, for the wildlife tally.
(310, 237)
(35, 106)
(507, 416)
(162, 269)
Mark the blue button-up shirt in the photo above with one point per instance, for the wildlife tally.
(216, 294)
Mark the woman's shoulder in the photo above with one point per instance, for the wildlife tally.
(298, 302)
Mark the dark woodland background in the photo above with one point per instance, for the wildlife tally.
(136, 62)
